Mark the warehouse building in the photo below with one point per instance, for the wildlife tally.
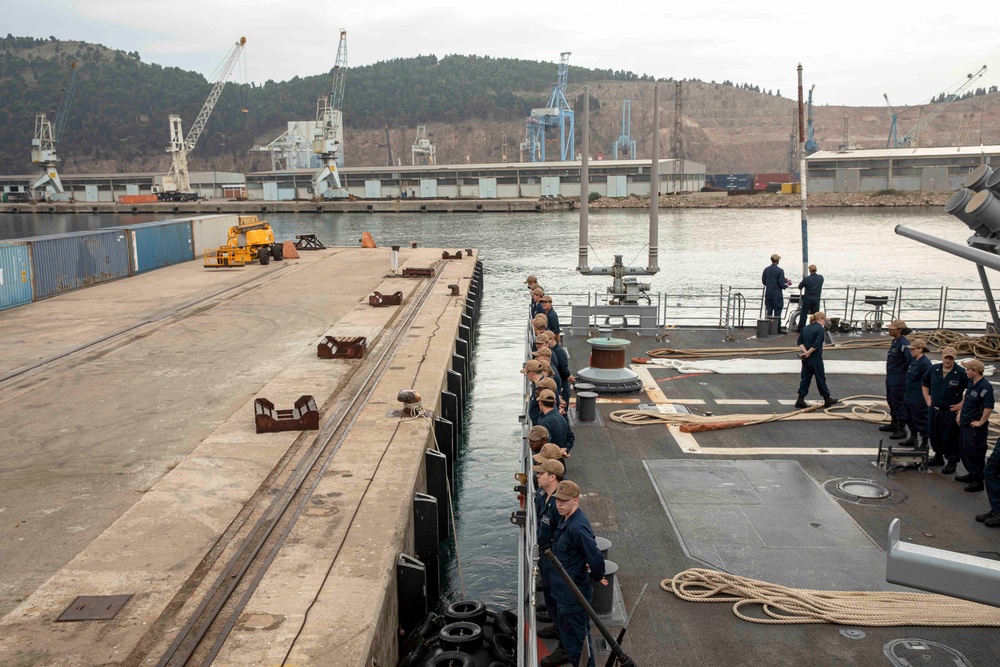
(940, 169)
(530, 180)
(98, 188)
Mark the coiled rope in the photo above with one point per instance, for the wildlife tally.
(984, 348)
(785, 606)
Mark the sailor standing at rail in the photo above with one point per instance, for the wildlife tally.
(550, 472)
(813, 286)
(551, 316)
(944, 386)
(811, 352)
(974, 419)
(560, 362)
(913, 394)
(774, 281)
(898, 359)
(533, 371)
(559, 432)
(575, 546)
(536, 302)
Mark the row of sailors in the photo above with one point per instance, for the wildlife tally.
(562, 526)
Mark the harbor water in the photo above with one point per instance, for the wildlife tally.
(699, 251)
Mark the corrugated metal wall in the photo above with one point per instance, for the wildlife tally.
(15, 275)
(211, 232)
(156, 245)
(70, 261)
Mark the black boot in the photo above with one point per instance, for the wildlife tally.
(924, 445)
(936, 460)
(908, 442)
(890, 427)
(899, 433)
(828, 401)
(801, 403)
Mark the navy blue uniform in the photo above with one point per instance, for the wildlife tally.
(559, 432)
(773, 280)
(813, 285)
(575, 546)
(991, 478)
(561, 369)
(534, 412)
(553, 318)
(946, 390)
(913, 396)
(812, 366)
(897, 361)
(978, 398)
(536, 307)
(548, 521)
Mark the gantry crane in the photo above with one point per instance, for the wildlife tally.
(625, 144)
(177, 183)
(558, 113)
(946, 99)
(811, 144)
(329, 123)
(47, 138)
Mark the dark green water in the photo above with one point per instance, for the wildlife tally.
(699, 250)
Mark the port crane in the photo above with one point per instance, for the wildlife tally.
(47, 138)
(947, 98)
(177, 183)
(557, 114)
(811, 144)
(625, 143)
(329, 124)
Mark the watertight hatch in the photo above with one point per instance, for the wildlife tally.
(93, 608)
(864, 489)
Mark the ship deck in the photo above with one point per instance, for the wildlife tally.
(756, 501)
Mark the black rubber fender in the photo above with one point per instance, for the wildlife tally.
(415, 657)
(470, 611)
(427, 629)
(505, 622)
(450, 659)
(461, 636)
(503, 648)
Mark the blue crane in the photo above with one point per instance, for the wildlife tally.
(811, 144)
(48, 134)
(946, 99)
(625, 142)
(557, 114)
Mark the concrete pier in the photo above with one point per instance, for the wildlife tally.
(133, 465)
(210, 206)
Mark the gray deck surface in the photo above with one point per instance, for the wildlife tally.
(610, 462)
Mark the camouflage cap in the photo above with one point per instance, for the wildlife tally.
(547, 396)
(530, 279)
(540, 319)
(549, 450)
(546, 298)
(533, 366)
(536, 433)
(544, 352)
(974, 365)
(538, 291)
(949, 352)
(897, 324)
(546, 383)
(918, 344)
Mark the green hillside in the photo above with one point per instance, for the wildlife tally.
(121, 104)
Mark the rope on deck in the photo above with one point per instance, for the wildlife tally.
(786, 606)
(874, 414)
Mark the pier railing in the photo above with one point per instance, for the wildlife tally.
(527, 562)
(859, 308)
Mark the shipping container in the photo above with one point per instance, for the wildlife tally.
(158, 244)
(770, 181)
(790, 188)
(138, 199)
(65, 262)
(731, 181)
(15, 275)
(211, 231)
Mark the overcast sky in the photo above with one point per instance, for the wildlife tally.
(852, 51)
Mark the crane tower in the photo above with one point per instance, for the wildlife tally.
(177, 183)
(47, 137)
(947, 98)
(423, 151)
(557, 114)
(327, 142)
(625, 144)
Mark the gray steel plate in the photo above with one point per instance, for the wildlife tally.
(94, 608)
(767, 520)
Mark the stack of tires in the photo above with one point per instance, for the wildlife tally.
(468, 635)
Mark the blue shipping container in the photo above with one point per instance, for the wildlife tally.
(15, 275)
(156, 245)
(66, 262)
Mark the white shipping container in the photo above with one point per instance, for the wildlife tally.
(211, 231)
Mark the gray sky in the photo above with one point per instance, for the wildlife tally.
(852, 51)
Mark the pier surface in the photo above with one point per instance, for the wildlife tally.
(133, 466)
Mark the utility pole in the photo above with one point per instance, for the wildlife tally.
(802, 182)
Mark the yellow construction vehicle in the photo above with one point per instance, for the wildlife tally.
(251, 239)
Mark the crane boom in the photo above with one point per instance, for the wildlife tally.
(177, 183)
(206, 110)
(329, 123)
(938, 108)
(64, 105)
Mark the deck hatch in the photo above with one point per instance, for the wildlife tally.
(93, 608)
(767, 520)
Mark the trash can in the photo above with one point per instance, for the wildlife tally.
(586, 406)
(763, 326)
(604, 596)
